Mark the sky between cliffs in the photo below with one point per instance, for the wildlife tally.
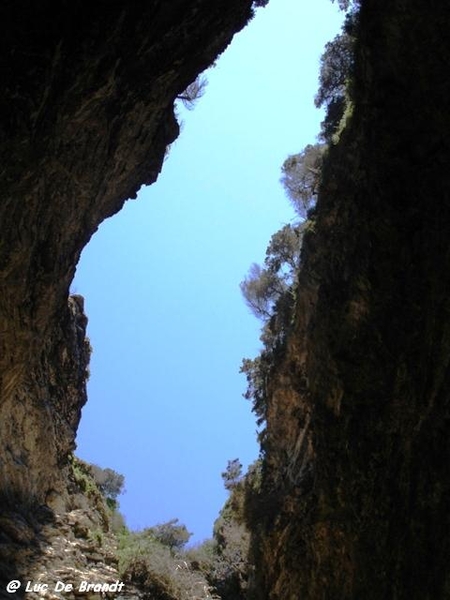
(167, 321)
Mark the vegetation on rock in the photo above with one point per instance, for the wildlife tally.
(156, 559)
(349, 497)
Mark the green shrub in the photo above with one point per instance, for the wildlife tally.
(161, 572)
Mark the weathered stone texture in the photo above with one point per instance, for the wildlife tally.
(86, 114)
(357, 479)
(358, 446)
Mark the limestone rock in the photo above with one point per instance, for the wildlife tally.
(354, 502)
(87, 100)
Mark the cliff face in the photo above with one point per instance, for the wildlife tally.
(86, 115)
(356, 479)
(356, 483)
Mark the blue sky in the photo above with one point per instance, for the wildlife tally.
(161, 279)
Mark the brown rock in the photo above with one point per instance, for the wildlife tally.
(354, 502)
(86, 114)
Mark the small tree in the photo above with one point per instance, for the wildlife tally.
(232, 474)
(335, 67)
(261, 289)
(301, 175)
(283, 252)
(109, 482)
(171, 534)
(265, 286)
(336, 70)
(346, 4)
(193, 92)
(256, 371)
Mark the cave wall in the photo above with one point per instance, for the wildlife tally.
(86, 113)
(354, 503)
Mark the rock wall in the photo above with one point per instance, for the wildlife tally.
(354, 502)
(86, 113)
(40, 419)
(356, 479)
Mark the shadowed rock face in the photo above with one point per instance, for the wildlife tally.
(86, 113)
(357, 480)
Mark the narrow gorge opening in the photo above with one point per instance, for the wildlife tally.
(351, 498)
(168, 325)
